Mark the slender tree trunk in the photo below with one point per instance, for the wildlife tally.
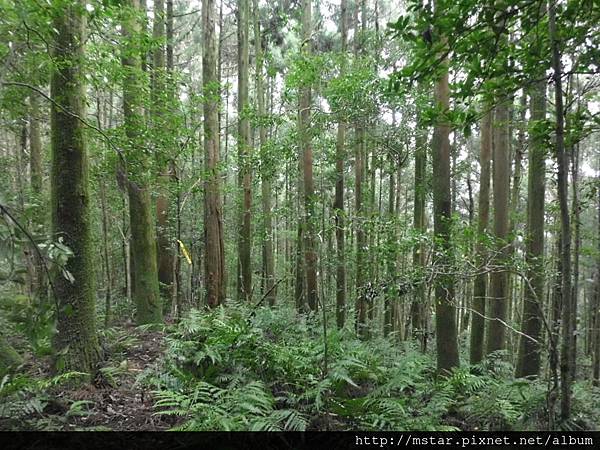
(596, 308)
(576, 250)
(361, 306)
(528, 360)
(338, 205)
(213, 213)
(305, 105)
(36, 179)
(35, 147)
(418, 303)
(244, 145)
(163, 144)
(480, 286)
(76, 342)
(266, 175)
(390, 292)
(445, 319)
(105, 256)
(496, 332)
(565, 224)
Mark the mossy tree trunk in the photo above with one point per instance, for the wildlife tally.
(76, 342)
(9, 358)
(139, 167)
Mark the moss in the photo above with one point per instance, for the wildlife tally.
(143, 243)
(9, 358)
(76, 342)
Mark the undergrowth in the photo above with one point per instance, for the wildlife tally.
(233, 369)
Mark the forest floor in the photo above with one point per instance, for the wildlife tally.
(116, 400)
(126, 406)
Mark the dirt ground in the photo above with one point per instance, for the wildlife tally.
(115, 401)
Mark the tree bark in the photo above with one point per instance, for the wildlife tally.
(528, 360)
(213, 212)
(496, 332)
(565, 222)
(338, 205)
(268, 257)
(75, 343)
(162, 139)
(305, 105)
(480, 286)
(143, 234)
(418, 303)
(445, 318)
(244, 146)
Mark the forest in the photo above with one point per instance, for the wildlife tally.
(292, 215)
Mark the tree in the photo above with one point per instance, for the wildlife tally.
(480, 287)
(418, 307)
(445, 319)
(244, 145)
(304, 122)
(496, 333)
(266, 175)
(160, 121)
(528, 361)
(361, 305)
(338, 205)
(213, 213)
(75, 343)
(565, 221)
(143, 234)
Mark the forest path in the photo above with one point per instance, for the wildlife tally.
(119, 401)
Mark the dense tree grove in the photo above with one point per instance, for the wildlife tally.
(291, 215)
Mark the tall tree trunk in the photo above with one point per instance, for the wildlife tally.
(35, 147)
(528, 360)
(213, 212)
(338, 205)
(305, 105)
(418, 303)
(105, 256)
(171, 99)
(496, 332)
(160, 122)
(565, 225)
(390, 292)
(36, 178)
(244, 145)
(143, 234)
(266, 175)
(577, 248)
(445, 318)
(361, 306)
(480, 286)
(596, 302)
(76, 341)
